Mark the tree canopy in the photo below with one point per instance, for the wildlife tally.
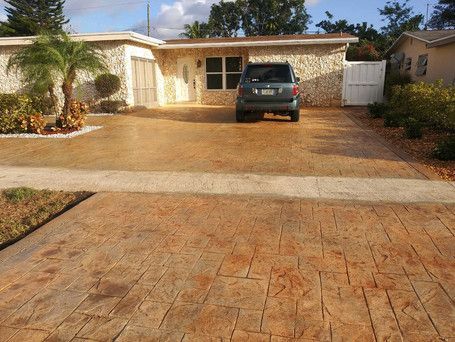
(224, 19)
(443, 16)
(33, 17)
(399, 17)
(195, 30)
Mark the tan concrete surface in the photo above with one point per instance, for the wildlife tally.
(394, 190)
(137, 267)
(206, 139)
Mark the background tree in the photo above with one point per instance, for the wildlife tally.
(443, 16)
(224, 19)
(273, 17)
(60, 59)
(195, 30)
(329, 26)
(33, 17)
(399, 17)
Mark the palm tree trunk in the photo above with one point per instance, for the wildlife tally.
(54, 101)
(67, 88)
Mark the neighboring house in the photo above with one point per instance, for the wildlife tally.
(205, 71)
(426, 55)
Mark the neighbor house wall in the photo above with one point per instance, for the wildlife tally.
(320, 68)
(440, 66)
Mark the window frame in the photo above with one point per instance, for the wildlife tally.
(223, 72)
(407, 65)
(418, 66)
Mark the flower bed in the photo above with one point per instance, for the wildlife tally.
(421, 149)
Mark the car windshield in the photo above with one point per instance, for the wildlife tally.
(268, 73)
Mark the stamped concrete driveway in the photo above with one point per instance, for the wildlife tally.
(206, 139)
(195, 267)
(142, 267)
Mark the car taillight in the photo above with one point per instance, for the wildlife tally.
(240, 90)
(295, 89)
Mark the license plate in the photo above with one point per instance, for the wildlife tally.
(267, 92)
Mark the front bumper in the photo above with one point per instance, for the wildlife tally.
(242, 105)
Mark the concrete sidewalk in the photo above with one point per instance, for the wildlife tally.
(323, 188)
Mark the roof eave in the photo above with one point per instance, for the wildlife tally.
(90, 37)
(261, 43)
(442, 41)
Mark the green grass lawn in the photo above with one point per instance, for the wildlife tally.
(22, 210)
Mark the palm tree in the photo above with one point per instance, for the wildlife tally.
(52, 59)
(195, 30)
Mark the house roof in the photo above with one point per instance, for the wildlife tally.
(90, 37)
(431, 38)
(295, 39)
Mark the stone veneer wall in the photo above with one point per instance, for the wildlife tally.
(320, 68)
(167, 63)
(84, 88)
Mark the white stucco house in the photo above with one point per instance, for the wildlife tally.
(206, 71)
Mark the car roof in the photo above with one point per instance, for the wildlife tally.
(269, 63)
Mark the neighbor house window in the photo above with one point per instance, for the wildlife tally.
(223, 73)
(422, 63)
(407, 63)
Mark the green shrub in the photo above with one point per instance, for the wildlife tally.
(12, 103)
(413, 128)
(377, 110)
(393, 79)
(445, 149)
(111, 106)
(430, 103)
(107, 85)
(391, 119)
(16, 195)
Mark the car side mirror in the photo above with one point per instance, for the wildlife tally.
(297, 79)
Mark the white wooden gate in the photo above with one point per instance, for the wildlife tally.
(363, 83)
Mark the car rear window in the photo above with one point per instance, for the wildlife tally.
(268, 73)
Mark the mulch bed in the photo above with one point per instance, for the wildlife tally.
(19, 218)
(51, 130)
(420, 149)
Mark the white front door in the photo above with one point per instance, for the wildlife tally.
(186, 83)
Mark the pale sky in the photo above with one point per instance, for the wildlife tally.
(169, 16)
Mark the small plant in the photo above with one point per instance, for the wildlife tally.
(377, 110)
(445, 149)
(16, 195)
(391, 119)
(110, 106)
(107, 85)
(76, 119)
(34, 123)
(413, 128)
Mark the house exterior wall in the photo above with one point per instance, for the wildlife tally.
(118, 59)
(440, 66)
(167, 63)
(320, 68)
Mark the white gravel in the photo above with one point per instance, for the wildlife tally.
(84, 130)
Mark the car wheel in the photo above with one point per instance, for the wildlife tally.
(295, 115)
(240, 115)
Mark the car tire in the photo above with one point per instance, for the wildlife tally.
(240, 115)
(295, 115)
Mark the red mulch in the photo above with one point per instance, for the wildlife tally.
(420, 149)
(53, 130)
